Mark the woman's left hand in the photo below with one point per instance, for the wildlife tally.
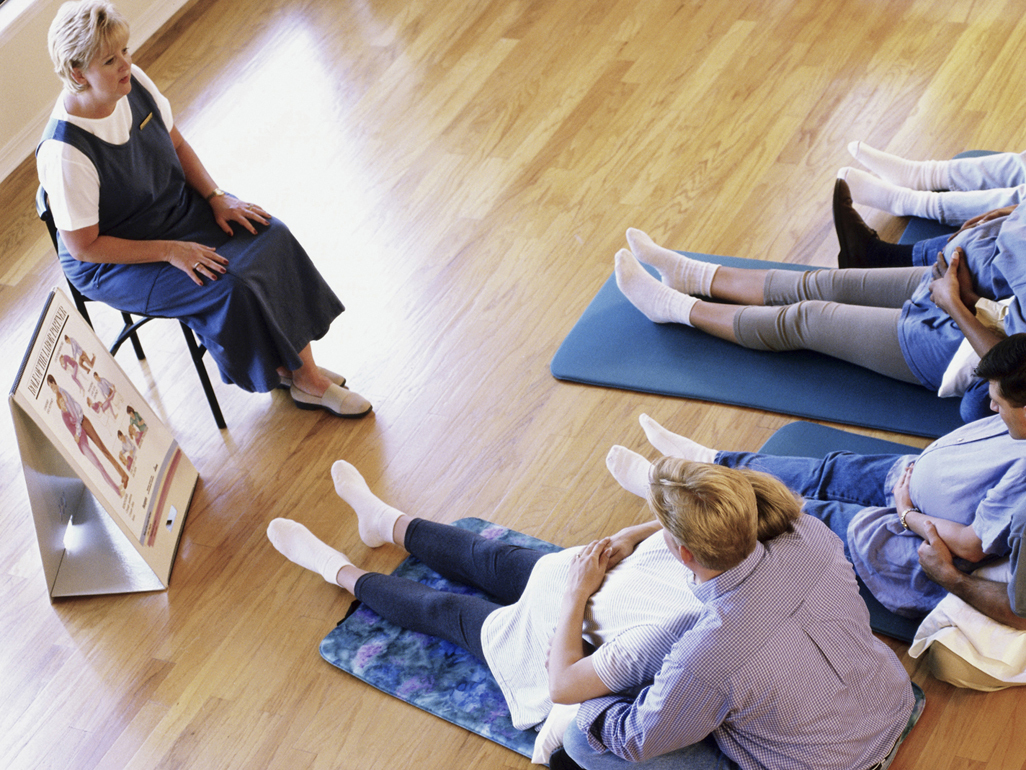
(227, 209)
(588, 568)
(902, 496)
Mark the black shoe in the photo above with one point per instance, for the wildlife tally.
(854, 235)
(560, 760)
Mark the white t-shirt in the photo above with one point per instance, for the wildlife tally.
(68, 176)
(642, 608)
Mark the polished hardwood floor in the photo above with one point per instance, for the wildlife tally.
(462, 172)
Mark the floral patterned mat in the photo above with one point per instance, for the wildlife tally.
(427, 672)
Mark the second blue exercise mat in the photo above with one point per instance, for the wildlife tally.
(614, 345)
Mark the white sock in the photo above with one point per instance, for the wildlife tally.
(873, 191)
(673, 445)
(914, 174)
(658, 302)
(376, 518)
(691, 276)
(300, 546)
(629, 469)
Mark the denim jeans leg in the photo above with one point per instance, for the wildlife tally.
(704, 755)
(840, 476)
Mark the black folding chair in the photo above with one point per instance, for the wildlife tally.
(196, 350)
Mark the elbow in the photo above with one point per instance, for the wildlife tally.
(973, 552)
(561, 694)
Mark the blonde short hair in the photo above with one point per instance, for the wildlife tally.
(719, 513)
(79, 32)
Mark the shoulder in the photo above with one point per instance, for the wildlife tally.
(145, 81)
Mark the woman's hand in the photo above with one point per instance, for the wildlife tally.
(623, 543)
(195, 260)
(980, 219)
(588, 569)
(902, 496)
(227, 208)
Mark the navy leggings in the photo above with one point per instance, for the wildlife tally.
(499, 569)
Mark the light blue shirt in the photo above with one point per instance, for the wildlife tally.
(975, 475)
(780, 667)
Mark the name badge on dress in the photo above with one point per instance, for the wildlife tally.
(145, 121)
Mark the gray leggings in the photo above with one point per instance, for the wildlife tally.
(852, 315)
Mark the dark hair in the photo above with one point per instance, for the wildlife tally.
(1005, 363)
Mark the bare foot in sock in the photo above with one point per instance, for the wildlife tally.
(658, 302)
(680, 273)
(376, 518)
(630, 469)
(300, 546)
(674, 445)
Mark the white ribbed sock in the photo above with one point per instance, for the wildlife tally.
(673, 445)
(376, 518)
(300, 546)
(914, 174)
(691, 276)
(658, 302)
(629, 469)
(873, 191)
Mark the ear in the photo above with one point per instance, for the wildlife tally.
(686, 556)
(78, 77)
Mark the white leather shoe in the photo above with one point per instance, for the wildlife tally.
(337, 400)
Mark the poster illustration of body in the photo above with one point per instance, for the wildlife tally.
(77, 395)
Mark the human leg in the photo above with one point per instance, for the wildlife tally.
(500, 569)
(704, 755)
(312, 388)
(465, 557)
(996, 170)
(841, 476)
(455, 617)
(696, 277)
(826, 327)
(951, 208)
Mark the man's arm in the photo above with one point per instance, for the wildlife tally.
(952, 291)
(986, 596)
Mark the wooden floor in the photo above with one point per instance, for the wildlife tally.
(462, 171)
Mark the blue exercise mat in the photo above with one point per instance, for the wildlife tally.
(427, 672)
(804, 439)
(615, 345)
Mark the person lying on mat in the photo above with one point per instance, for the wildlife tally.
(905, 323)
(143, 227)
(646, 599)
(904, 518)
(949, 191)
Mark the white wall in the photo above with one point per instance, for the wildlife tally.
(28, 85)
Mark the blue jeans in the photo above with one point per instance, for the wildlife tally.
(704, 755)
(835, 487)
(499, 569)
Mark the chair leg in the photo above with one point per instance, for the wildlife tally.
(134, 337)
(197, 351)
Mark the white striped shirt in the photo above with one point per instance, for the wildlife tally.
(642, 608)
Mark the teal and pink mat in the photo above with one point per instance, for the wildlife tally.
(446, 681)
(614, 345)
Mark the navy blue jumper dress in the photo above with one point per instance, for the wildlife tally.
(269, 305)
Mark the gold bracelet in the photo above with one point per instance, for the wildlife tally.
(905, 513)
